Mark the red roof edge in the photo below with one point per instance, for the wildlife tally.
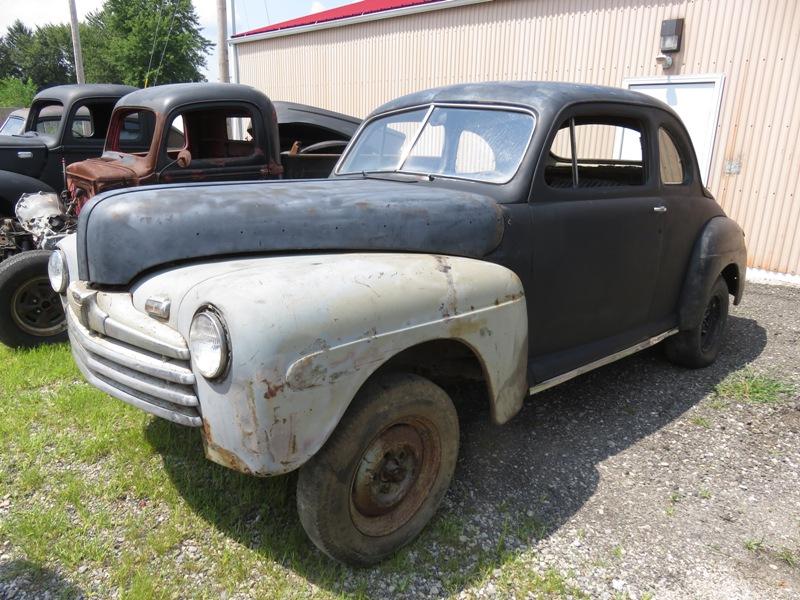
(355, 9)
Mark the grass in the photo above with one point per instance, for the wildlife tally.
(754, 546)
(753, 387)
(100, 499)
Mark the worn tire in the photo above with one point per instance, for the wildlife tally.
(24, 288)
(700, 346)
(348, 494)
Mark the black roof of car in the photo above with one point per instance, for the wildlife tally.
(164, 98)
(543, 96)
(67, 94)
(292, 112)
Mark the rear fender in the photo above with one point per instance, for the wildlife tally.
(719, 248)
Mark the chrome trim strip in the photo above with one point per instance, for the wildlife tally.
(540, 387)
(169, 392)
(133, 359)
(125, 333)
(154, 406)
(410, 147)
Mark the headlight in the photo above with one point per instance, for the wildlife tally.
(57, 271)
(208, 344)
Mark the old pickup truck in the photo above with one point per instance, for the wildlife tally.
(513, 234)
(65, 123)
(166, 134)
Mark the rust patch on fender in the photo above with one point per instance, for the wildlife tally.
(220, 455)
(449, 307)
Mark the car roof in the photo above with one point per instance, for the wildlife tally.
(164, 98)
(293, 112)
(67, 94)
(542, 96)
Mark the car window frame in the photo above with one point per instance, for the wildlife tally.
(163, 161)
(542, 192)
(680, 138)
(67, 121)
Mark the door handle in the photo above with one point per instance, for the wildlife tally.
(25, 154)
(660, 209)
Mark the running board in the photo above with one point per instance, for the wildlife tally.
(540, 387)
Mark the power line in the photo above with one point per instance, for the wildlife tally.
(169, 33)
(155, 39)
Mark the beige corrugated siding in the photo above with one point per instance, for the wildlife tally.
(355, 68)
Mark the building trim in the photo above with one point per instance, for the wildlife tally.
(375, 16)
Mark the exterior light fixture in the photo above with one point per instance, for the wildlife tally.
(671, 33)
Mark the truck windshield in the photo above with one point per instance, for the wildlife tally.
(482, 144)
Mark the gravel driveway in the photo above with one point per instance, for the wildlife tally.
(639, 480)
(645, 481)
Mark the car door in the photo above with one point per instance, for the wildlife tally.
(596, 238)
(687, 210)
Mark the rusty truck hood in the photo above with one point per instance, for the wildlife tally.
(117, 169)
(124, 233)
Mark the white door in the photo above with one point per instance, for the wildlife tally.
(696, 99)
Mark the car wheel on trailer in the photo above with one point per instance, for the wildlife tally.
(383, 472)
(30, 310)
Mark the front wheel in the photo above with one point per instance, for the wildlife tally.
(30, 311)
(700, 346)
(382, 474)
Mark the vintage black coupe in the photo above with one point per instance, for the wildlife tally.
(516, 234)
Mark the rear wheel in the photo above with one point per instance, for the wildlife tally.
(30, 311)
(382, 474)
(700, 346)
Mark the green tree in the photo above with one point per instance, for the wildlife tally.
(15, 92)
(42, 55)
(126, 41)
(138, 41)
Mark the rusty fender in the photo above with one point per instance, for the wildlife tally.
(306, 332)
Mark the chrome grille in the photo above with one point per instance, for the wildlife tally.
(131, 356)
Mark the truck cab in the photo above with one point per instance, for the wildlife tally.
(64, 124)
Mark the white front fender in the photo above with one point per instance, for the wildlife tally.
(307, 331)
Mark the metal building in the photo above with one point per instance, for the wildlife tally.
(734, 78)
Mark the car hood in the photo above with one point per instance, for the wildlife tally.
(23, 141)
(124, 233)
(123, 169)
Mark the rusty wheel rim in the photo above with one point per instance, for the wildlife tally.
(394, 476)
(36, 309)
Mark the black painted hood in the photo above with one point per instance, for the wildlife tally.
(122, 234)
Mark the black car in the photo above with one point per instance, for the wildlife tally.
(509, 234)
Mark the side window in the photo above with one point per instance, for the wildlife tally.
(135, 134)
(672, 169)
(608, 153)
(90, 119)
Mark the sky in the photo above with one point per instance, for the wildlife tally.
(250, 14)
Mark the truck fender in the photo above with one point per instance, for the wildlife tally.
(13, 185)
(719, 250)
(306, 334)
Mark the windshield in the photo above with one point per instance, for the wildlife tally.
(483, 144)
(12, 126)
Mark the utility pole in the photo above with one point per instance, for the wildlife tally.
(76, 42)
(222, 41)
